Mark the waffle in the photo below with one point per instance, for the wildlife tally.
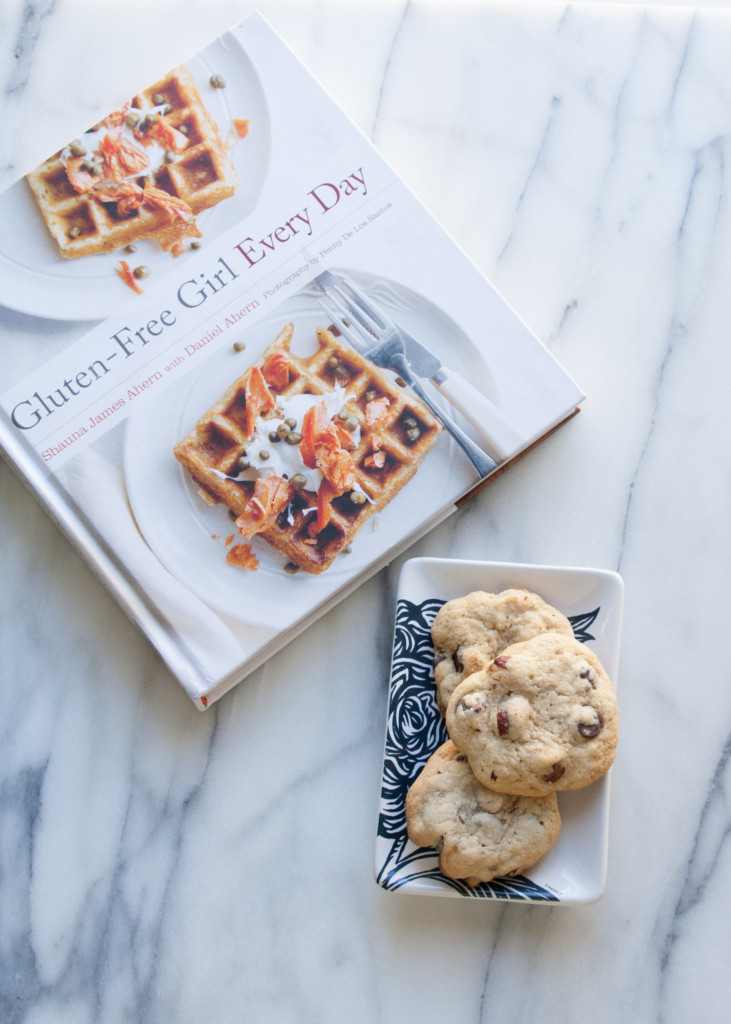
(218, 441)
(201, 176)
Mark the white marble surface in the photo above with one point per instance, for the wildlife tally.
(159, 865)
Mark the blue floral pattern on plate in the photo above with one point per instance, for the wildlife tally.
(414, 731)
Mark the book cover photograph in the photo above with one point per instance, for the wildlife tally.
(247, 366)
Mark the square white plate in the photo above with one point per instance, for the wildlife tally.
(574, 869)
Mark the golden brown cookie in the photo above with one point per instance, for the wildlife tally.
(478, 833)
(541, 717)
(468, 632)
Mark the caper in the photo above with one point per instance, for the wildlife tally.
(244, 463)
(264, 455)
(75, 231)
(350, 424)
(184, 129)
(401, 382)
(283, 432)
(169, 157)
(140, 272)
(274, 437)
(158, 99)
(371, 395)
(410, 422)
(294, 438)
(291, 422)
(130, 248)
(232, 515)
(76, 149)
(357, 497)
(414, 434)
(197, 245)
(218, 82)
(341, 373)
(132, 119)
(298, 481)
(239, 346)
(291, 568)
(333, 362)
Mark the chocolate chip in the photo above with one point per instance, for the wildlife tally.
(471, 703)
(503, 722)
(457, 660)
(591, 729)
(502, 661)
(557, 770)
(439, 657)
(493, 776)
(463, 813)
(588, 673)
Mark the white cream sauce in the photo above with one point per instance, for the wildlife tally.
(283, 459)
(92, 140)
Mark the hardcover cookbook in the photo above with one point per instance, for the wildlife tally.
(247, 366)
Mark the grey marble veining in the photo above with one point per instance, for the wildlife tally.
(157, 864)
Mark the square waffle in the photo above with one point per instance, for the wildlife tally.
(201, 175)
(407, 432)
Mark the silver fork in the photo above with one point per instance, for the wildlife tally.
(374, 335)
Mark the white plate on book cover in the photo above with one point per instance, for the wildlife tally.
(34, 277)
(573, 871)
(188, 535)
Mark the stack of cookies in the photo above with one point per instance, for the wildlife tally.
(530, 712)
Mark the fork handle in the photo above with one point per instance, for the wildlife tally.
(479, 459)
(498, 436)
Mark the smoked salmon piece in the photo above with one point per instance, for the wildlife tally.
(333, 461)
(124, 271)
(156, 199)
(375, 414)
(276, 371)
(271, 496)
(243, 556)
(168, 136)
(325, 494)
(258, 398)
(125, 194)
(80, 179)
(121, 157)
(322, 448)
(315, 421)
(376, 411)
(345, 437)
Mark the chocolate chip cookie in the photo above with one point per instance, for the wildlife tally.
(541, 717)
(468, 632)
(479, 834)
